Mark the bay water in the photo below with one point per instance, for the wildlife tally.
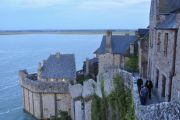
(24, 52)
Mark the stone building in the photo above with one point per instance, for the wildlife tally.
(114, 51)
(90, 67)
(143, 39)
(164, 47)
(47, 93)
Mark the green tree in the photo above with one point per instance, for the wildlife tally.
(131, 64)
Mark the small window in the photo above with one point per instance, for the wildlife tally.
(163, 93)
(158, 42)
(157, 78)
(166, 37)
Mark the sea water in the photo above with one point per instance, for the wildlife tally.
(24, 52)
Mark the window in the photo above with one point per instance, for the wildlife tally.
(157, 78)
(166, 37)
(163, 86)
(158, 42)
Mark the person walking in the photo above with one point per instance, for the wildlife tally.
(149, 85)
(139, 84)
(143, 95)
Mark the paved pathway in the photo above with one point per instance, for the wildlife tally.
(153, 99)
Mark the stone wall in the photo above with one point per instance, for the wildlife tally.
(43, 105)
(162, 111)
(176, 78)
(108, 61)
(48, 101)
(143, 56)
(44, 87)
(163, 63)
(108, 80)
(160, 65)
(81, 99)
(43, 100)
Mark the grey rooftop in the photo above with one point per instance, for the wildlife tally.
(120, 44)
(59, 66)
(142, 32)
(169, 6)
(169, 23)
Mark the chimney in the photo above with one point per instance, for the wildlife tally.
(87, 66)
(39, 69)
(58, 54)
(132, 48)
(109, 42)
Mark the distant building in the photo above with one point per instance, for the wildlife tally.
(143, 39)
(47, 92)
(164, 48)
(114, 51)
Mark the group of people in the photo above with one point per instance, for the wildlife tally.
(144, 90)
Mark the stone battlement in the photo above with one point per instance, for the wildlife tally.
(45, 87)
(38, 86)
(43, 99)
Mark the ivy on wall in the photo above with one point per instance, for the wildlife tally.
(117, 106)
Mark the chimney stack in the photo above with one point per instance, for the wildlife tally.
(109, 41)
(87, 66)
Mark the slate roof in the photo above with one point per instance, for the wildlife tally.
(59, 66)
(93, 60)
(168, 6)
(169, 23)
(174, 5)
(164, 7)
(120, 44)
(142, 32)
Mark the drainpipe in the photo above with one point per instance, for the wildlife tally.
(174, 67)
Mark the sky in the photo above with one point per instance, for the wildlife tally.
(74, 14)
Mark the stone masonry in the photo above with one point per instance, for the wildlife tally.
(46, 93)
(43, 100)
(163, 49)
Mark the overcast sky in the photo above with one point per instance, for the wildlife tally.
(74, 14)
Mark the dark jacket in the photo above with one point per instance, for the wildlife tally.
(139, 82)
(149, 84)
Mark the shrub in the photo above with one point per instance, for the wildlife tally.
(131, 64)
(120, 101)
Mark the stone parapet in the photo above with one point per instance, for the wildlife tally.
(89, 88)
(160, 111)
(76, 90)
(45, 87)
